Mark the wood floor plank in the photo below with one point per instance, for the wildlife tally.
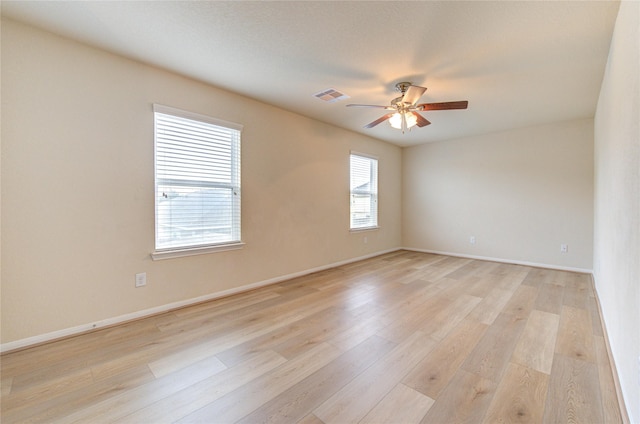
(389, 304)
(221, 306)
(515, 277)
(401, 337)
(610, 407)
(408, 318)
(451, 288)
(129, 401)
(436, 370)
(549, 298)
(560, 277)
(48, 388)
(385, 314)
(404, 295)
(537, 276)
(269, 320)
(576, 292)
(424, 260)
(444, 267)
(62, 404)
(440, 324)
(574, 392)
(353, 401)
(491, 305)
(299, 400)
(250, 396)
(321, 327)
(92, 343)
(485, 284)
(491, 355)
(190, 399)
(401, 405)
(536, 346)
(62, 369)
(472, 269)
(575, 339)
(221, 318)
(520, 397)
(310, 419)
(240, 352)
(594, 311)
(465, 400)
(6, 386)
(522, 301)
(355, 334)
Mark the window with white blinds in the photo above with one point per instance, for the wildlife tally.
(364, 192)
(197, 173)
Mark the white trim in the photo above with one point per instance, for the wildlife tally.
(202, 250)
(507, 261)
(168, 110)
(620, 394)
(366, 155)
(73, 331)
(361, 229)
(55, 335)
(371, 194)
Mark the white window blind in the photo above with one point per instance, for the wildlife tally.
(197, 167)
(364, 192)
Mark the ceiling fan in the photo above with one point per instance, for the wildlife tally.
(405, 108)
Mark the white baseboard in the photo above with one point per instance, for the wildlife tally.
(620, 394)
(503, 260)
(73, 331)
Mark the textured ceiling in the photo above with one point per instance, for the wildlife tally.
(517, 63)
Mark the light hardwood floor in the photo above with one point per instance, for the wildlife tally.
(404, 337)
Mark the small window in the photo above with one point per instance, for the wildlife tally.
(197, 174)
(364, 192)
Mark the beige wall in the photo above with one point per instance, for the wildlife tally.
(520, 193)
(77, 192)
(77, 188)
(617, 201)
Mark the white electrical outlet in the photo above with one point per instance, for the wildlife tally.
(564, 248)
(365, 240)
(141, 279)
(472, 240)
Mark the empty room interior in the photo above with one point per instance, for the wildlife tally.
(320, 212)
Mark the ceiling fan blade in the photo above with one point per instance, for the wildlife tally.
(373, 106)
(421, 120)
(443, 106)
(379, 120)
(414, 92)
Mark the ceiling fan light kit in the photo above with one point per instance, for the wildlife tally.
(405, 107)
(396, 120)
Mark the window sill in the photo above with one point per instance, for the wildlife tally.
(357, 230)
(192, 251)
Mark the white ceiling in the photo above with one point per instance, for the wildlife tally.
(517, 63)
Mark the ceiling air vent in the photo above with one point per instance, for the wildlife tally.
(330, 95)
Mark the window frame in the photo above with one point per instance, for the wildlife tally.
(235, 185)
(373, 223)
